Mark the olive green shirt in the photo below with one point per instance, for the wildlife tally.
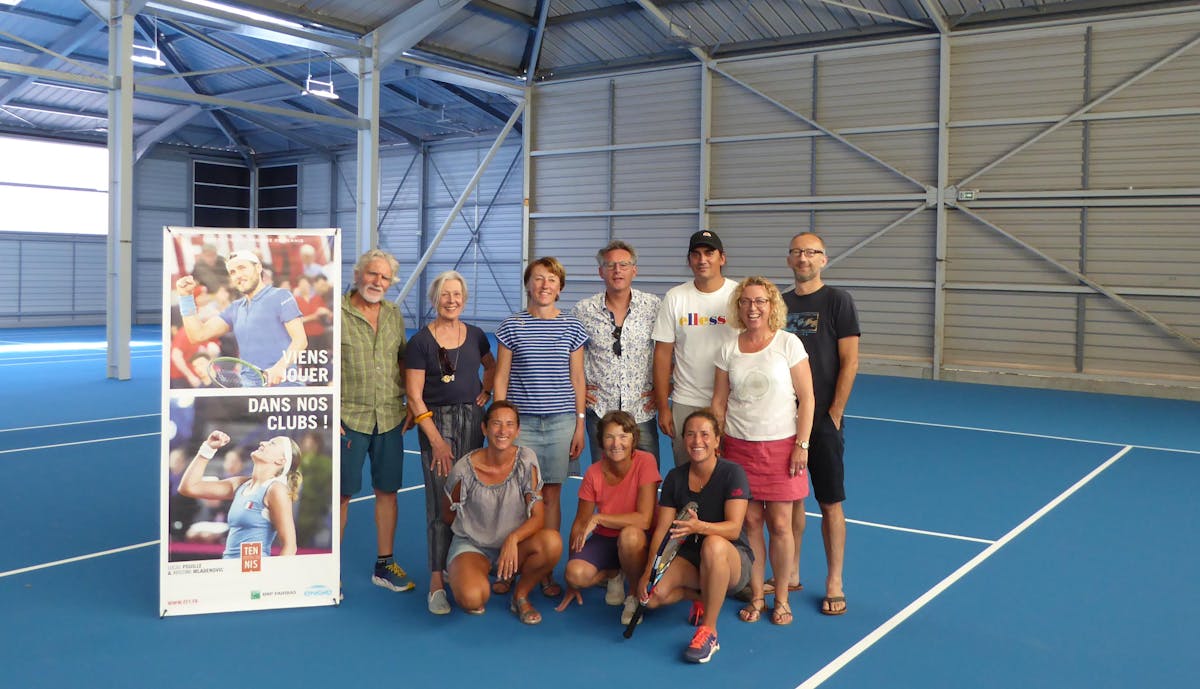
(372, 369)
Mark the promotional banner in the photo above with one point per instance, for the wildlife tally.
(250, 420)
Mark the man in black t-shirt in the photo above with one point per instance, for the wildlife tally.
(825, 320)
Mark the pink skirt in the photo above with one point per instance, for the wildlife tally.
(766, 463)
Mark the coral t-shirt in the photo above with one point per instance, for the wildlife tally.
(621, 498)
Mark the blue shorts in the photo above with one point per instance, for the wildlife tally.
(601, 552)
(550, 439)
(387, 460)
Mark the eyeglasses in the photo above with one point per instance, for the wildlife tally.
(807, 253)
(613, 265)
(760, 302)
(616, 334)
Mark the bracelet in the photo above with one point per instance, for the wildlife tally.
(581, 415)
(187, 305)
(206, 451)
(422, 416)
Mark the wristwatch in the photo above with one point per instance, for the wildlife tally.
(802, 444)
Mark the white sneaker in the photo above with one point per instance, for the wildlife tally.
(631, 603)
(614, 594)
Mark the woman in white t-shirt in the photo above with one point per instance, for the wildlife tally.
(760, 376)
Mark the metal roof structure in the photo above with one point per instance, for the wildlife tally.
(232, 74)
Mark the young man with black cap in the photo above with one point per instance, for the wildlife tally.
(690, 329)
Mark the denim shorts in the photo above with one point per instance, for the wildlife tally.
(460, 545)
(549, 437)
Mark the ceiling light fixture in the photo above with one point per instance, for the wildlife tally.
(149, 54)
(318, 88)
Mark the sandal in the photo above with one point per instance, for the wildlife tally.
(551, 588)
(781, 614)
(752, 612)
(524, 611)
(769, 586)
(503, 586)
(828, 603)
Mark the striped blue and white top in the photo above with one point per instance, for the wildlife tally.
(540, 380)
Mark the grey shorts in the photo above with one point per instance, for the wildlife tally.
(460, 545)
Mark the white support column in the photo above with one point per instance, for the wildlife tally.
(940, 201)
(526, 182)
(705, 146)
(119, 261)
(366, 214)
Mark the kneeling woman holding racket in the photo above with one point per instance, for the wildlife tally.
(497, 517)
(616, 509)
(262, 502)
(714, 557)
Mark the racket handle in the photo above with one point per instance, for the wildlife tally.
(633, 621)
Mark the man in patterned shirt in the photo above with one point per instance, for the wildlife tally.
(619, 356)
(373, 408)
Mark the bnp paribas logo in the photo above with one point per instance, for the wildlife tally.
(255, 595)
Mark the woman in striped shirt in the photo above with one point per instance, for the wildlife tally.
(539, 368)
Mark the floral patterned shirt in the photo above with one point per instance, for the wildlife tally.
(623, 381)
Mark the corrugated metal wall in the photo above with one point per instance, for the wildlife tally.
(1074, 263)
(417, 191)
(616, 158)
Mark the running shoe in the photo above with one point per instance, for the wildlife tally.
(614, 593)
(631, 603)
(704, 645)
(392, 576)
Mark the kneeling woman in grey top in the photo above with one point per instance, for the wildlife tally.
(496, 514)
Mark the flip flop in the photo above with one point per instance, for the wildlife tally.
(827, 605)
(769, 586)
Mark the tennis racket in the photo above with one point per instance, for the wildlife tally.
(662, 560)
(232, 372)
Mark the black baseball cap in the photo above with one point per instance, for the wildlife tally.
(705, 238)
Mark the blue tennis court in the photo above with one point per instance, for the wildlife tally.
(998, 537)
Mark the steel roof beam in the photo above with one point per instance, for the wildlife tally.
(64, 44)
(406, 29)
(500, 13)
(480, 104)
(533, 46)
(160, 131)
(296, 36)
(875, 13)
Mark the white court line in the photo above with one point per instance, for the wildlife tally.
(905, 529)
(77, 423)
(896, 620)
(1023, 434)
(114, 551)
(79, 558)
(78, 442)
(72, 361)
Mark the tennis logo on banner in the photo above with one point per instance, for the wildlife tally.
(252, 557)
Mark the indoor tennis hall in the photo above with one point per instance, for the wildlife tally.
(1008, 190)
(998, 536)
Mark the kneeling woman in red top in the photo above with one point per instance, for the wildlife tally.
(616, 506)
